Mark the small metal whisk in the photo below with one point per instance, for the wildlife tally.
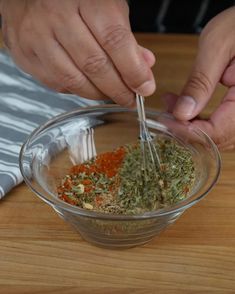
(151, 160)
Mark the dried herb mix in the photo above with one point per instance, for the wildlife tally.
(114, 182)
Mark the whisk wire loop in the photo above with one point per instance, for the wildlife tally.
(146, 139)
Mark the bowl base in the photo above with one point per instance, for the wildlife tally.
(114, 244)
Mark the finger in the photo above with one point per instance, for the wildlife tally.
(35, 68)
(92, 60)
(30, 64)
(169, 100)
(26, 60)
(228, 78)
(148, 55)
(60, 66)
(221, 125)
(109, 22)
(228, 148)
(206, 73)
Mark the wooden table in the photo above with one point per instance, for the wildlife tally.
(40, 253)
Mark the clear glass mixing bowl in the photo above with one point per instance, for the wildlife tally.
(53, 148)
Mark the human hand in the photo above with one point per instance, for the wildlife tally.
(84, 47)
(215, 62)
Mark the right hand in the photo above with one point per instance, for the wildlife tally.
(83, 47)
(214, 64)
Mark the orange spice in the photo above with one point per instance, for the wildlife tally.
(107, 164)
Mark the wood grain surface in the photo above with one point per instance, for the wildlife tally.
(40, 253)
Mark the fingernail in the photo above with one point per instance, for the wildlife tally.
(146, 88)
(185, 106)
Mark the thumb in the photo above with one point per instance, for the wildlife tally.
(211, 60)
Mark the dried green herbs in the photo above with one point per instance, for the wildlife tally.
(114, 182)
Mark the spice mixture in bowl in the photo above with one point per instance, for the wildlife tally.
(88, 165)
(115, 182)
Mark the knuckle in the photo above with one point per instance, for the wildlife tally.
(200, 81)
(115, 36)
(138, 77)
(72, 82)
(123, 97)
(96, 65)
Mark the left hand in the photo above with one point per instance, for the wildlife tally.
(215, 62)
(82, 47)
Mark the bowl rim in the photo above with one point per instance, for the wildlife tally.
(176, 208)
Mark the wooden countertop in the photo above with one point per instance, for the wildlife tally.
(40, 253)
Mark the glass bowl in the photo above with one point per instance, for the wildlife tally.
(53, 148)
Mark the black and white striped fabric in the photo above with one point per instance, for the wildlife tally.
(24, 104)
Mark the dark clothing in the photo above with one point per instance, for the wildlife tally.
(174, 16)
